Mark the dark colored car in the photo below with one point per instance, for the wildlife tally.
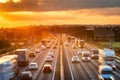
(54, 47)
(47, 68)
(26, 75)
(31, 54)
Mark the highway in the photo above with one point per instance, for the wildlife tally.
(62, 66)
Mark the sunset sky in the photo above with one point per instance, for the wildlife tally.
(29, 12)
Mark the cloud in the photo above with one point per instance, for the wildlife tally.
(56, 5)
(99, 11)
(36, 16)
(59, 15)
(78, 4)
(23, 5)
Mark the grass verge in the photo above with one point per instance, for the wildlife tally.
(116, 46)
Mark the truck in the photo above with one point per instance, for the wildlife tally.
(22, 57)
(105, 73)
(8, 67)
(107, 57)
(81, 43)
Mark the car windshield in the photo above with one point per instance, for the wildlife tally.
(21, 55)
(86, 55)
(106, 72)
(31, 53)
(95, 52)
(107, 79)
(75, 57)
(25, 75)
(32, 64)
(109, 58)
(80, 51)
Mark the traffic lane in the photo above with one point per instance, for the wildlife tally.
(94, 61)
(32, 59)
(82, 71)
(21, 69)
(38, 47)
(87, 67)
(116, 73)
(92, 70)
(31, 49)
(78, 70)
(43, 76)
(57, 71)
(68, 73)
(48, 76)
(40, 61)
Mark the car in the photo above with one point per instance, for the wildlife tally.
(86, 56)
(37, 50)
(54, 47)
(75, 59)
(26, 75)
(66, 44)
(79, 52)
(95, 54)
(105, 73)
(43, 47)
(51, 54)
(56, 44)
(33, 66)
(74, 47)
(32, 54)
(49, 59)
(47, 68)
(48, 46)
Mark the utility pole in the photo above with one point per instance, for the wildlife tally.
(111, 38)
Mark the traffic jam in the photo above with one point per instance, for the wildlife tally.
(61, 57)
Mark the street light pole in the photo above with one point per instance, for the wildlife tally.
(111, 38)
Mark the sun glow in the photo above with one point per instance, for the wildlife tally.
(16, 0)
(4, 1)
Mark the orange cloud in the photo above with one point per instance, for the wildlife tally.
(86, 16)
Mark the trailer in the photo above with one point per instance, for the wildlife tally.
(22, 57)
(107, 57)
(8, 67)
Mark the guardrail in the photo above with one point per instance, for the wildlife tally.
(117, 57)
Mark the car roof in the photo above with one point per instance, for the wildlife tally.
(75, 56)
(47, 65)
(21, 50)
(105, 68)
(31, 52)
(49, 56)
(36, 49)
(86, 52)
(33, 63)
(7, 58)
(108, 52)
(26, 72)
